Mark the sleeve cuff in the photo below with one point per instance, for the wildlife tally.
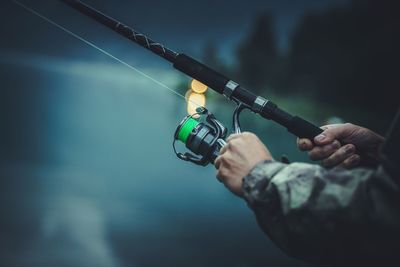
(256, 182)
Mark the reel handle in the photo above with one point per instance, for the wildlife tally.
(235, 118)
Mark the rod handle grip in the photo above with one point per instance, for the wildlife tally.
(294, 124)
(303, 129)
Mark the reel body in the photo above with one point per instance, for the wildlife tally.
(204, 139)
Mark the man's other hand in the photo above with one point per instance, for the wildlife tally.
(241, 153)
(359, 144)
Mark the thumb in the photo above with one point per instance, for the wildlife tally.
(331, 132)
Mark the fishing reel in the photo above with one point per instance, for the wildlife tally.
(204, 136)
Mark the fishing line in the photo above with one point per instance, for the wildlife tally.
(102, 50)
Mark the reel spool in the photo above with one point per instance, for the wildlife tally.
(204, 139)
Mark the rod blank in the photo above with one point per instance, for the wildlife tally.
(123, 30)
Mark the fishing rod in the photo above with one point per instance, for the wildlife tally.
(205, 138)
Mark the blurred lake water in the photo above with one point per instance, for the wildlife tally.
(88, 176)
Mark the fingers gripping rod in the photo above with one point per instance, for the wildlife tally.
(204, 74)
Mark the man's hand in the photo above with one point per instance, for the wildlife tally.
(238, 158)
(361, 144)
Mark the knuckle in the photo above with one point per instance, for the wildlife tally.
(348, 146)
(223, 150)
(221, 158)
(336, 144)
(349, 149)
(235, 144)
(340, 152)
(225, 161)
(326, 150)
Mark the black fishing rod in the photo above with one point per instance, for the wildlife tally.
(204, 139)
(204, 74)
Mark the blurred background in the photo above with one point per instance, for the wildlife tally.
(88, 176)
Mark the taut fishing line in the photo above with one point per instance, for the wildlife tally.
(101, 50)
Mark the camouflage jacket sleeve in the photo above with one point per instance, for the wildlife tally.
(326, 216)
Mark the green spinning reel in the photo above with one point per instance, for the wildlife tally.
(204, 136)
